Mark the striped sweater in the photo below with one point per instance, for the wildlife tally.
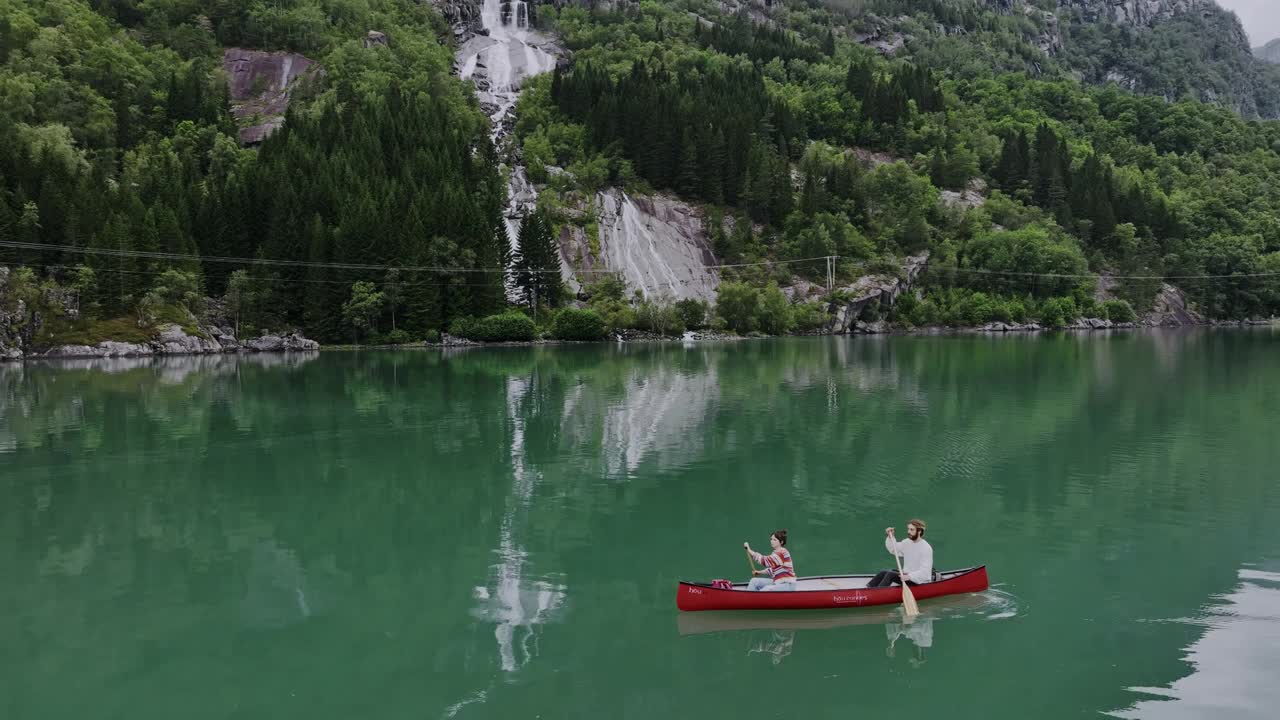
(778, 564)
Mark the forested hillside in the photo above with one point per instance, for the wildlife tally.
(116, 136)
(758, 118)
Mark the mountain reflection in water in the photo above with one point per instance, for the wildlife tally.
(1233, 664)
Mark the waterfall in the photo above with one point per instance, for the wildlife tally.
(498, 64)
(657, 244)
(516, 13)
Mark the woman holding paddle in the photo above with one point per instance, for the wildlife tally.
(778, 565)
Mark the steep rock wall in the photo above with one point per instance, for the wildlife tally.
(260, 84)
(656, 243)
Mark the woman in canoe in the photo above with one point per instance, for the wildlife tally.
(778, 565)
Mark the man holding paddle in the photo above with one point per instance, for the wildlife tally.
(917, 557)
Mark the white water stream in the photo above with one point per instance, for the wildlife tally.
(662, 253)
(499, 64)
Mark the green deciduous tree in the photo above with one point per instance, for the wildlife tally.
(361, 310)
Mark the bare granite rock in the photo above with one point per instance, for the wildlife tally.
(225, 338)
(289, 342)
(802, 290)
(173, 340)
(657, 243)
(973, 196)
(878, 290)
(452, 341)
(11, 316)
(104, 349)
(1171, 310)
(261, 84)
(463, 17)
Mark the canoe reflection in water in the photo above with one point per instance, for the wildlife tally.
(783, 625)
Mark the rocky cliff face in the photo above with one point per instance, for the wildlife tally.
(261, 84)
(1135, 13)
(1138, 13)
(14, 318)
(463, 17)
(876, 291)
(1269, 52)
(656, 243)
(1180, 47)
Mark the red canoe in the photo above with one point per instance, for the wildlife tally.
(832, 591)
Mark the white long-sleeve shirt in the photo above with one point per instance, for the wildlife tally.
(917, 558)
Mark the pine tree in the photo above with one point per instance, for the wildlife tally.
(116, 273)
(6, 38)
(55, 211)
(537, 265)
(8, 224)
(859, 80)
(1091, 200)
(1051, 169)
(781, 194)
(1011, 171)
(28, 231)
(687, 183)
(322, 294)
(812, 196)
(758, 183)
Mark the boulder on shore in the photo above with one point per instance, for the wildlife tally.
(290, 342)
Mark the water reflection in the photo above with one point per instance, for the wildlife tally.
(774, 632)
(516, 604)
(175, 367)
(1233, 664)
(660, 413)
(778, 646)
(295, 519)
(276, 593)
(43, 401)
(918, 631)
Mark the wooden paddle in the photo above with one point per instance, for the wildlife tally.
(750, 561)
(909, 607)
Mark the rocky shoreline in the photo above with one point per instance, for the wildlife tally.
(173, 340)
(877, 328)
(169, 346)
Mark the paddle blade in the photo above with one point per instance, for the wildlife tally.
(909, 606)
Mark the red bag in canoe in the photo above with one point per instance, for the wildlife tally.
(722, 584)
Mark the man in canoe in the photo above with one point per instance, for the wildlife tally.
(778, 565)
(916, 553)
